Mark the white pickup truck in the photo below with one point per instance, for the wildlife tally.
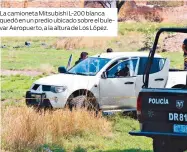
(112, 81)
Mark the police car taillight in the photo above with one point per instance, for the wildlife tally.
(139, 107)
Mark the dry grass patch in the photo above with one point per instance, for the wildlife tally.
(23, 128)
(71, 43)
(129, 42)
(46, 68)
(17, 40)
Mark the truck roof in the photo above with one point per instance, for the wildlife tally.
(113, 55)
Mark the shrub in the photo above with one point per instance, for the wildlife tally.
(23, 128)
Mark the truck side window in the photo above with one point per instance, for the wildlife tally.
(123, 69)
(157, 65)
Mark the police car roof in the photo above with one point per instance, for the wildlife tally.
(113, 55)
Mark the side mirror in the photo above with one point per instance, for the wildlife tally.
(62, 69)
(104, 75)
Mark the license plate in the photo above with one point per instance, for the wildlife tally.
(180, 129)
(177, 117)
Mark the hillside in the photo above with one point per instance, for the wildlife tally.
(131, 10)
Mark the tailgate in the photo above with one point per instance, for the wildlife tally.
(164, 110)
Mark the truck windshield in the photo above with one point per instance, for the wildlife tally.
(90, 66)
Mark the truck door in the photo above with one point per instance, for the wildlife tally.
(118, 89)
(158, 73)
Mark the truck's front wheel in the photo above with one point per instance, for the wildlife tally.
(165, 145)
(82, 101)
(77, 102)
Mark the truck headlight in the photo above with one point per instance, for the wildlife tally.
(58, 89)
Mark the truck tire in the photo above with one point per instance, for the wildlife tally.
(165, 145)
(77, 102)
(82, 101)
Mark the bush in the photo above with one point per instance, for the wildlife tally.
(25, 129)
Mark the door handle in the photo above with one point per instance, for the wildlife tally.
(159, 79)
(129, 82)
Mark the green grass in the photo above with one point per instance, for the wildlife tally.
(33, 57)
(145, 27)
(176, 59)
(131, 37)
(14, 87)
(119, 141)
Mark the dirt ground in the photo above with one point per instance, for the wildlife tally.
(19, 72)
(174, 42)
(177, 14)
(153, 13)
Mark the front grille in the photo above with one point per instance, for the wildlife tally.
(46, 88)
(31, 100)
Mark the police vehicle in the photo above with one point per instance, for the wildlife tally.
(162, 112)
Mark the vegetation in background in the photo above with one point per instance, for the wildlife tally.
(176, 59)
(14, 87)
(132, 37)
(143, 27)
(149, 40)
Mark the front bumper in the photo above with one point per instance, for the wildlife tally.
(153, 134)
(37, 100)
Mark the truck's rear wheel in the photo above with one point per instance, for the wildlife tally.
(165, 145)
